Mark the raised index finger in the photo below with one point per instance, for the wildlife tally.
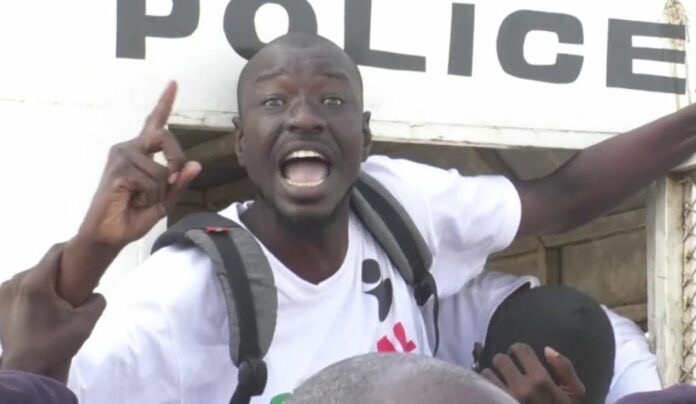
(160, 114)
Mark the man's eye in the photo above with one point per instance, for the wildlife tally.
(332, 101)
(273, 102)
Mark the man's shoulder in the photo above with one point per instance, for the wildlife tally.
(419, 184)
(174, 275)
(403, 178)
(179, 272)
(380, 164)
(422, 177)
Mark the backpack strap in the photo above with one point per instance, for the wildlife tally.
(248, 287)
(394, 230)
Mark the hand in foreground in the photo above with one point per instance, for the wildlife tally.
(522, 375)
(39, 331)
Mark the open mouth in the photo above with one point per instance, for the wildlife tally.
(305, 168)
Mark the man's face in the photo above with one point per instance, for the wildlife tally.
(302, 134)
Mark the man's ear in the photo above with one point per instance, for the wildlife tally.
(238, 140)
(367, 135)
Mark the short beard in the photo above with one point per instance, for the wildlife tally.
(305, 226)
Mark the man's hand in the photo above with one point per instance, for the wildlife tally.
(39, 331)
(520, 373)
(135, 192)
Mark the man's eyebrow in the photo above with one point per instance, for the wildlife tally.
(269, 74)
(335, 74)
(273, 72)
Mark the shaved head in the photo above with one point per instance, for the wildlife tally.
(397, 378)
(296, 42)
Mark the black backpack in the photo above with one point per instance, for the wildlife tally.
(247, 280)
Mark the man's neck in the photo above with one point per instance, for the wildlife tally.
(313, 255)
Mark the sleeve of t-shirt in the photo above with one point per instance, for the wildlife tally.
(635, 367)
(130, 355)
(127, 359)
(23, 387)
(162, 339)
(462, 219)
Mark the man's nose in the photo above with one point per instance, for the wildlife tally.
(304, 118)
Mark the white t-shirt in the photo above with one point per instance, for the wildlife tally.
(164, 337)
(468, 313)
(635, 367)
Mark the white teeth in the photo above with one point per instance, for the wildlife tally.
(304, 184)
(303, 154)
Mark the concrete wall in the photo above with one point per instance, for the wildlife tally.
(605, 259)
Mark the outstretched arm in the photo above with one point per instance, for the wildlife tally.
(601, 176)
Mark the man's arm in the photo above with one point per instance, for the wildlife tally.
(135, 192)
(601, 176)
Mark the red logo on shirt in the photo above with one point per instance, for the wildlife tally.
(386, 345)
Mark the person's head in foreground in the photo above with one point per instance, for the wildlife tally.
(397, 378)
